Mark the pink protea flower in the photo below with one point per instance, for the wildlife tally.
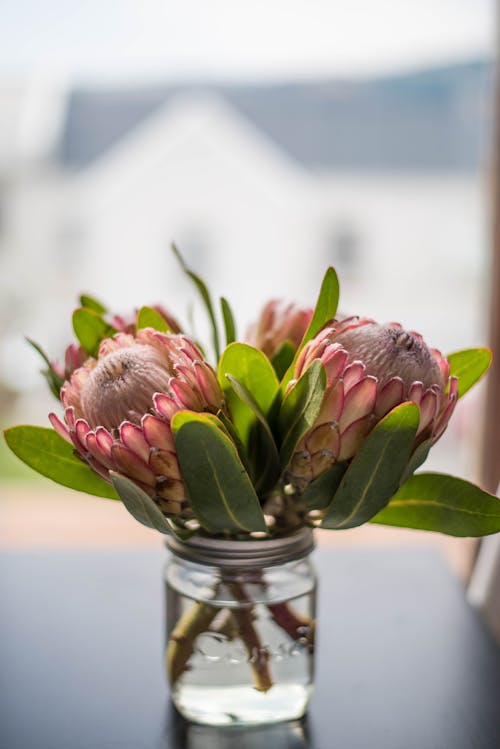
(278, 323)
(75, 356)
(370, 369)
(118, 409)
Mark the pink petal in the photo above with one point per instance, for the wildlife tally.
(107, 346)
(334, 361)
(354, 436)
(104, 440)
(185, 395)
(353, 374)
(78, 379)
(428, 410)
(187, 375)
(100, 456)
(389, 396)
(444, 418)
(208, 385)
(81, 431)
(333, 404)
(131, 435)
(453, 386)
(69, 416)
(157, 433)
(131, 465)
(416, 392)
(190, 348)
(165, 405)
(359, 401)
(157, 335)
(60, 428)
(98, 468)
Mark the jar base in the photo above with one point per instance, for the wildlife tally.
(242, 706)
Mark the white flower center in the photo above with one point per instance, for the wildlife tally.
(122, 384)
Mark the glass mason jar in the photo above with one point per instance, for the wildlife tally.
(241, 626)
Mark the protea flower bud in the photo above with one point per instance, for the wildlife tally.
(74, 357)
(118, 409)
(127, 324)
(278, 323)
(370, 369)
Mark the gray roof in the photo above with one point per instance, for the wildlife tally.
(436, 119)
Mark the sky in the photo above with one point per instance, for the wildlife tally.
(129, 41)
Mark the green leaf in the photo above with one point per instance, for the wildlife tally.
(91, 303)
(47, 453)
(437, 502)
(326, 307)
(221, 422)
(418, 456)
(205, 297)
(139, 504)
(319, 493)
(188, 417)
(54, 381)
(300, 408)
(235, 438)
(375, 471)
(469, 366)
(229, 324)
(254, 371)
(90, 329)
(283, 358)
(262, 444)
(150, 318)
(221, 493)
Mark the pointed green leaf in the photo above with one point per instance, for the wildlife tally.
(205, 297)
(47, 453)
(375, 472)
(139, 504)
(326, 307)
(90, 329)
(91, 303)
(187, 417)
(235, 438)
(300, 408)
(262, 445)
(54, 381)
(229, 324)
(319, 493)
(445, 504)
(221, 493)
(469, 366)
(418, 456)
(150, 318)
(254, 371)
(283, 358)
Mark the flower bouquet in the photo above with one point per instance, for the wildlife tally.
(316, 420)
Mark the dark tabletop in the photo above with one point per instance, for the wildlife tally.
(403, 662)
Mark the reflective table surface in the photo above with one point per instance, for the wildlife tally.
(402, 663)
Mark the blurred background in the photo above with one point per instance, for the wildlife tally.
(268, 139)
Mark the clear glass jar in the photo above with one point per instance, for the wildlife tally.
(240, 628)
